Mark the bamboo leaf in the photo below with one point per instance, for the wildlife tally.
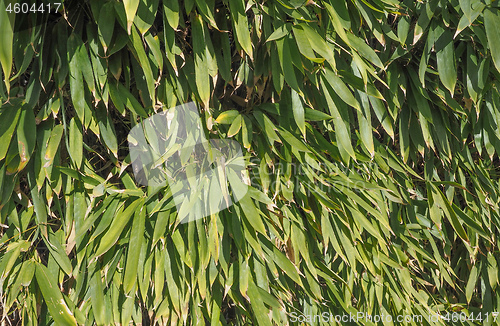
(298, 112)
(9, 116)
(227, 117)
(135, 244)
(315, 115)
(201, 62)
(76, 141)
(26, 137)
(107, 131)
(53, 145)
(445, 53)
(106, 24)
(116, 228)
(138, 48)
(471, 283)
(7, 20)
(342, 135)
(280, 32)
(239, 18)
(492, 26)
(341, 89)
(246, 132)
(56, 304)
(235, 126)
(97, 298)
(145, 15)
(130, 10)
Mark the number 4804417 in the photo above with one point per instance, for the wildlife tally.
(24, 8)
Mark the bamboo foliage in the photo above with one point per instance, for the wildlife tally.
(371, 133)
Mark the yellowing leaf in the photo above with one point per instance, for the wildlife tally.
(130, 10)
(227, 117)
(235, 126)
(26, 135)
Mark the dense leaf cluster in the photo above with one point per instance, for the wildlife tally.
(371, 129)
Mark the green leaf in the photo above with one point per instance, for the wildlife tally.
(382, 115)
(450, 214)
(318, 44)
(122, 96)
(342, 134)
(117, 227)
(260, 311)
(284, 263)
(161, 224)
(239, 18)
(337, 20)
(145, 16)
(298, 112)
(492, 26)
(304, 44)
(246, 132)
(171, 9)
(267, 126)
(107, 130)
(7, 20)
(315, 115)
(286, 61)
(471, 283)
(106, 24)
(364, 50)
(130, 10)
(53, 145)
(26, 135)
(111, 209)
(292, 140)
(97, 298)
(492, 270)
(341, 89)
(472, 73)
(58, 252)
(235, 126)
(472, 10)
(76, 142)
(207, 12)
(201, 61)
(445, 53)
(365, 123)
(426, 14)
(155, 48)
(135, 244)
(227, 117)
(77, 88)
(138, 49)
(422, 106)
(53, 298)
(9, 116)
(280, 32)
